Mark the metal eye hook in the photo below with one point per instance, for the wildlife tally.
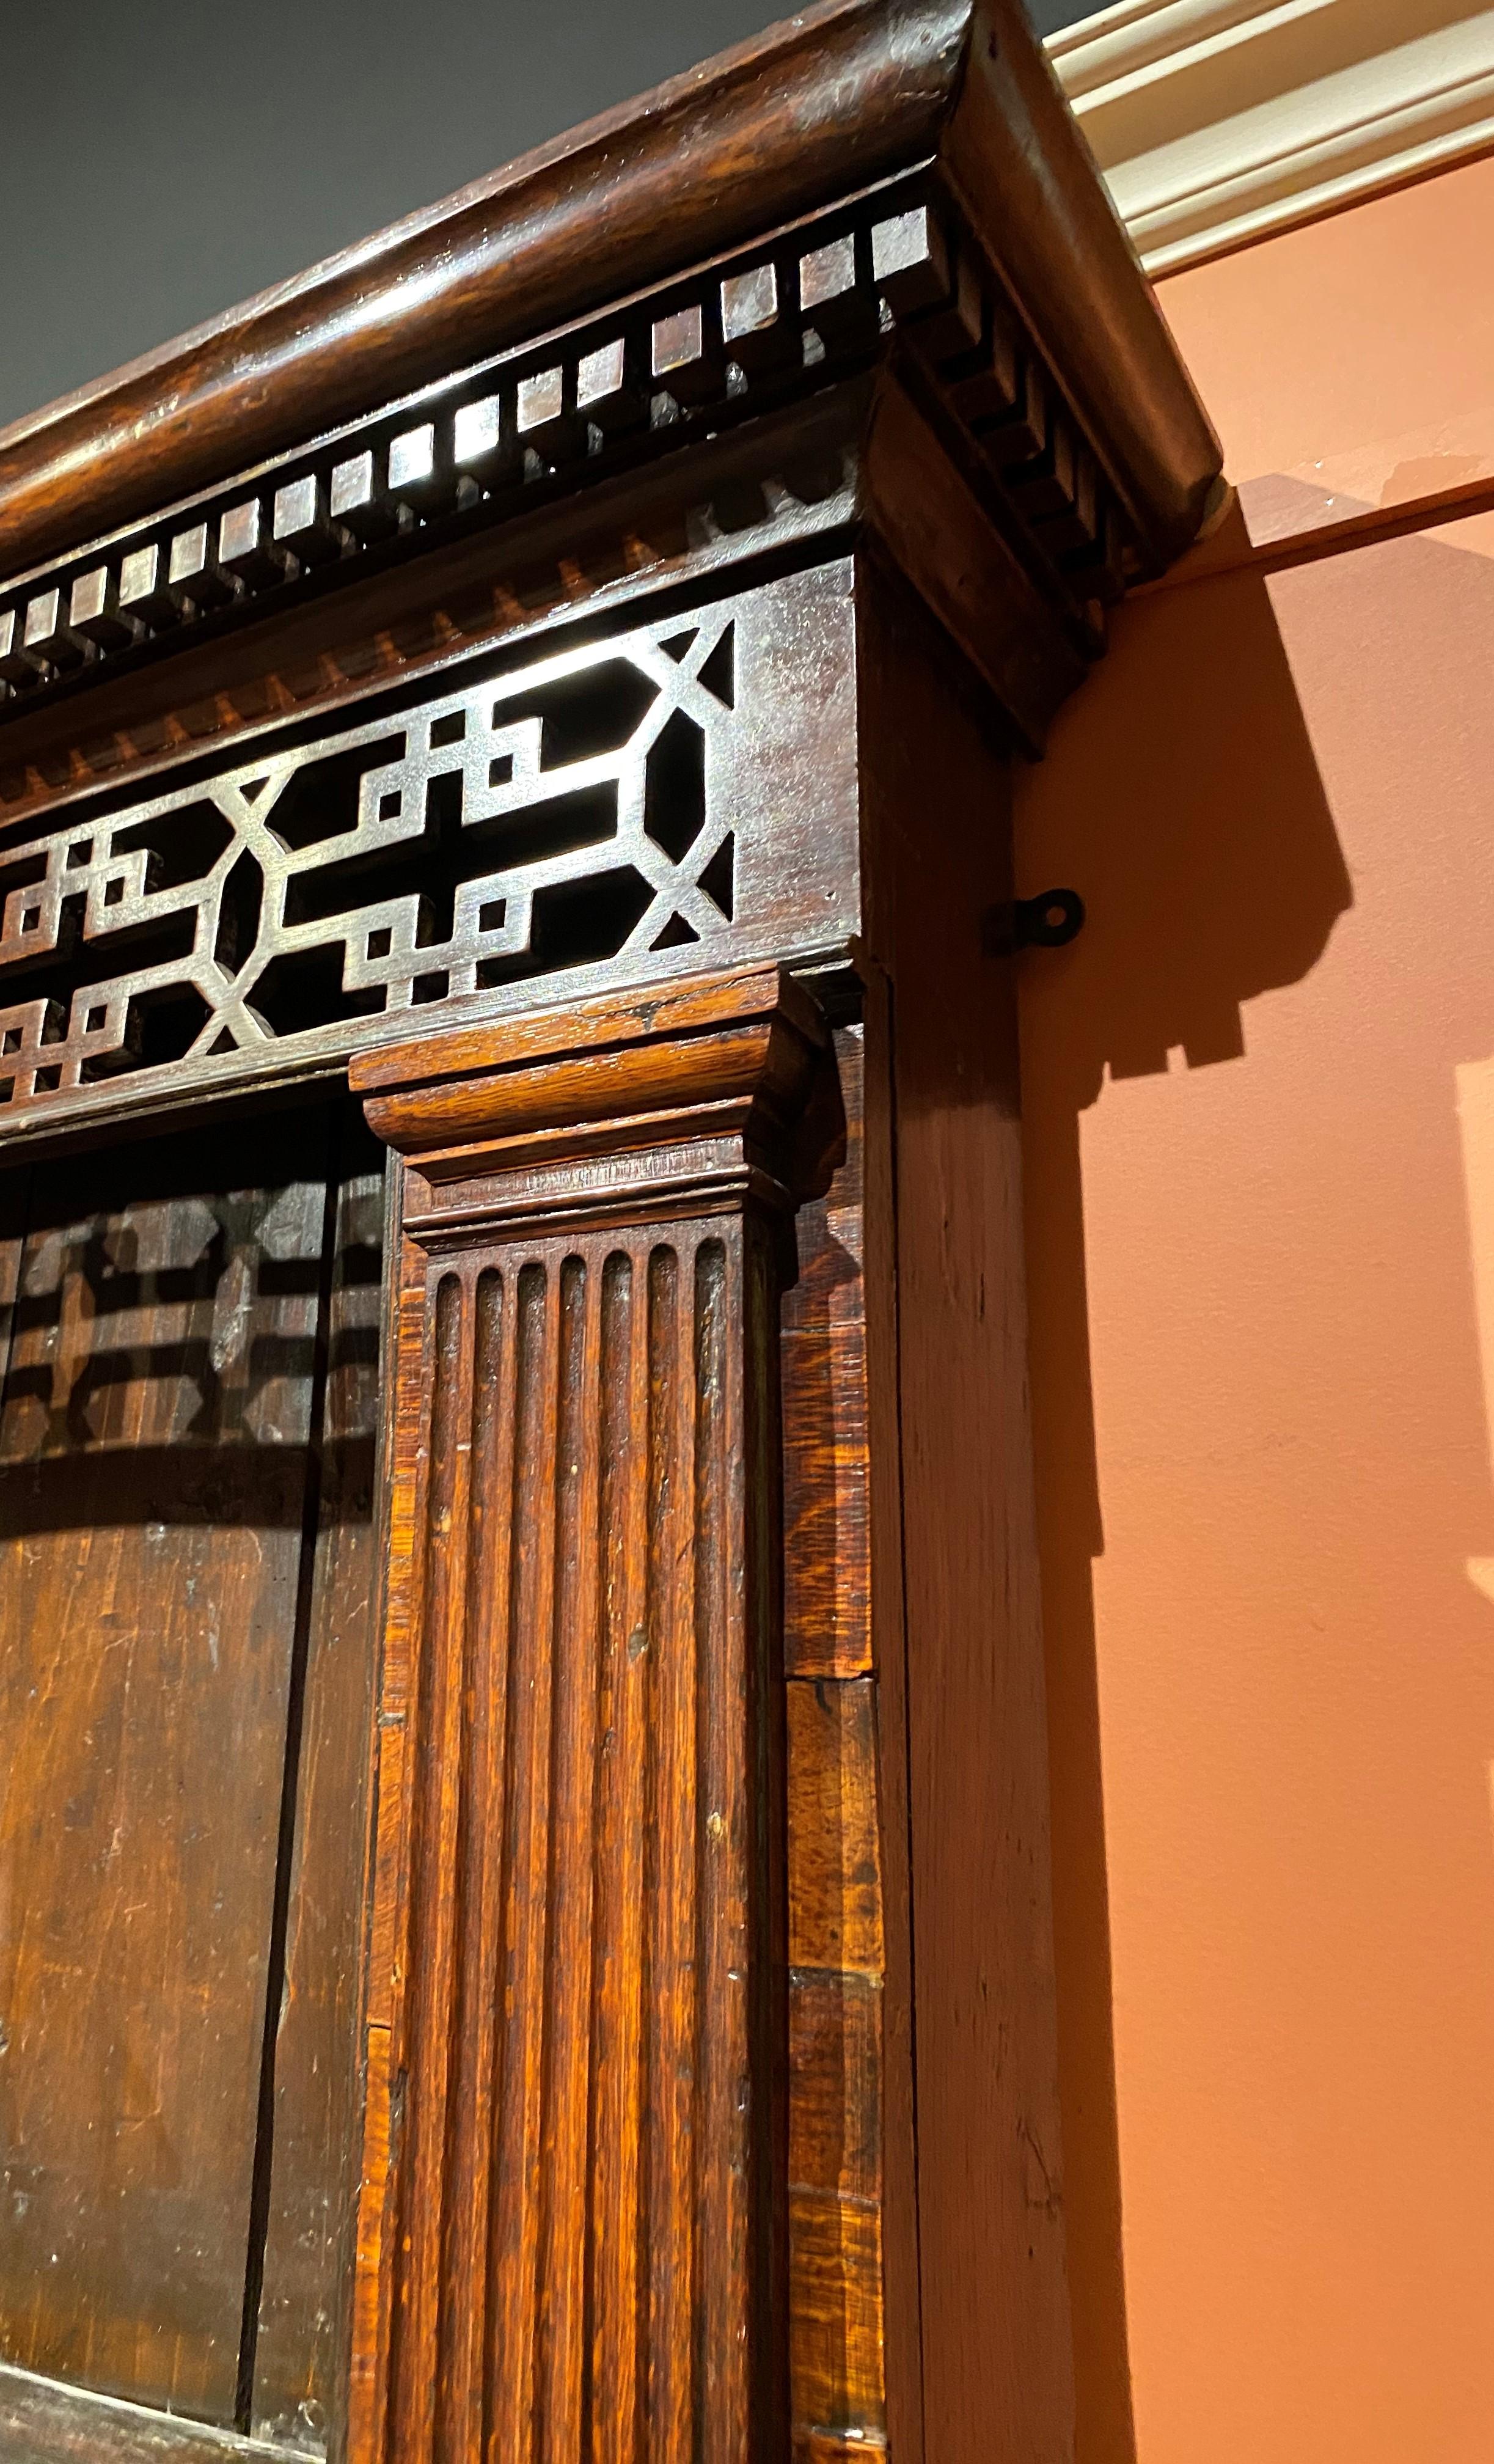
(1046, 922)
(1049, 921)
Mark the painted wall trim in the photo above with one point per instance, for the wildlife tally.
(1217, 121)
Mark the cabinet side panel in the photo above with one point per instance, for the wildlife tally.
(997, 2372)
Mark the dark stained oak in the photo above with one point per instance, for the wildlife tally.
(661, 799)
(1015, 157)
(965, 1768)
(934, 530)
(897, 2102)
(826, 1605)
(780, 480)
(300, 2356)
(837, 2003)
(151, 1484)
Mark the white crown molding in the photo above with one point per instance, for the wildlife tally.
(1217, 121)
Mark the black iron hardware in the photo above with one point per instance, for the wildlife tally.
(1046, 922)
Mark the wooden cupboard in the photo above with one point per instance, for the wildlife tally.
(524, 1846)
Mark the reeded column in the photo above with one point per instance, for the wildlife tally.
(574, 2247)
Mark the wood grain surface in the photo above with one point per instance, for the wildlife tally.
(836, 2323)
(301, 2357)
(168, 1482)
(994, 2369)
(1023, 643)
(577, 2247)
(826, 1604)
(43, 2423)
(836, 1949)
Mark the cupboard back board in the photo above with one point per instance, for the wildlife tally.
(188, 1433)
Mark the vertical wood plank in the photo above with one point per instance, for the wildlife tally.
(299, 2393)
(997, 2363)
(837, 2317)
(836, 2001)
(393, 1778)
(827, 1626)
(834, 1842)
(837, 1954)
(900, 2237)
(154, 1439)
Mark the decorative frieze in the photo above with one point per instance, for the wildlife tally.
(636, 806)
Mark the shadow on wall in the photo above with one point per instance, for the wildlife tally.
(1181, 798)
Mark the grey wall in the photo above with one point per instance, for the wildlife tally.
(162, 158)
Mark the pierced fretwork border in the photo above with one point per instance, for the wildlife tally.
(724, 344)
(622, 808)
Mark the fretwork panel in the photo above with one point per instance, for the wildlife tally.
(669, 796)
(583, 2230)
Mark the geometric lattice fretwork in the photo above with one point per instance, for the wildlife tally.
(569, 816)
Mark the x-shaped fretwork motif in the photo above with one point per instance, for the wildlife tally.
(569, 814)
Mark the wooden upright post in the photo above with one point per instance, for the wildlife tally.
(583, 2252)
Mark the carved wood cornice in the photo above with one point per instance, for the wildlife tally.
(839, 96)
(740, 238)
(894, 280)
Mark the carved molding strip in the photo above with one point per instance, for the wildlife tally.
(737, 338)
(634, 807)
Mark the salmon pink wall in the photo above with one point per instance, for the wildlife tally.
(1259, 1099)
(1350, 365)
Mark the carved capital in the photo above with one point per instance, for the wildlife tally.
(704, 1094)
